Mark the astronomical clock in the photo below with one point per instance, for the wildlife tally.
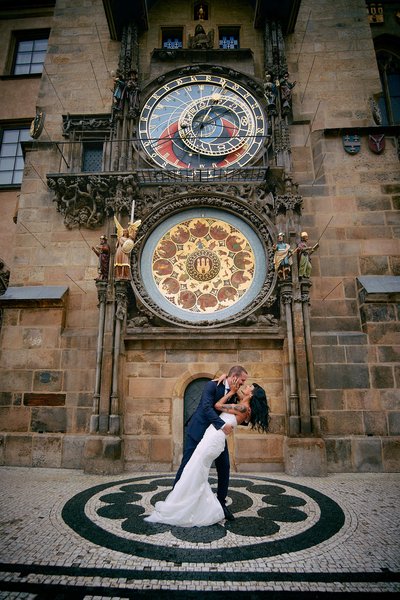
(206, 257)
(202, 122)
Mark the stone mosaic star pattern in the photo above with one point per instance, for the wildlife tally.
(272, 517)
(203, 265)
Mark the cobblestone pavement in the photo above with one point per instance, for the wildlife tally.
(66, 534)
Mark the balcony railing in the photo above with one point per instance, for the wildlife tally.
(200, 176)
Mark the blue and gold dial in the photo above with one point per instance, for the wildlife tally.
(202, 122)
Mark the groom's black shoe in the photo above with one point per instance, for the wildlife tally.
(227, 513)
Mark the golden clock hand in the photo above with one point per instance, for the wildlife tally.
(216, 97)
(218, 116)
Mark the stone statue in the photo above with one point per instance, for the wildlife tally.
(303, 254)
(132, 93)
(201, 40)
(282, 257)
(270, 92)
(119, 88)
(103, 252)
(286, 88)
(126, 91)
(126, 237)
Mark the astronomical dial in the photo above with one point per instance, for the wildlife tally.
(202, 122)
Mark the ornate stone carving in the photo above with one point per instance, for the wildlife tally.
(375, 111)
(4, 280)
(287, 208)
(85, 200)
(85, 123)
(305, 298)
(263, 320)
(138, 316)
(287, 297)
(101, 291)
(282, 138)
(201, 40)
(121, 299)
(258, 196)
(4, 277)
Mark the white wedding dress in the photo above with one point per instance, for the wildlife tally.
(192, 502)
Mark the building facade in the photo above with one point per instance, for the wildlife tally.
(186, 186)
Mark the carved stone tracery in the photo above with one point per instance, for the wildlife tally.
(86, 200)
(85, 123)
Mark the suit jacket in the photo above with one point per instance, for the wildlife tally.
(205, 414)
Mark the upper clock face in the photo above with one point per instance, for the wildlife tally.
(202, 122)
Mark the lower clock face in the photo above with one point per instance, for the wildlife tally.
(203, 264)
(202, 122)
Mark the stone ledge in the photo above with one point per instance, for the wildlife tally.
(46, 296)
(379, 288)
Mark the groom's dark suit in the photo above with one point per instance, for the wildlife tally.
(204, 415)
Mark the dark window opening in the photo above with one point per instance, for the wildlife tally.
(229, 38)
(172, 37)
(92, 158)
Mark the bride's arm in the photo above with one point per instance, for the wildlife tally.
(231, 408)
(221, 378)
(222, 401)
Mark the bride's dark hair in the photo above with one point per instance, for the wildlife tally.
(259, 417)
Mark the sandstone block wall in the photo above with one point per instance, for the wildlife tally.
(156, 376)
(48, 357)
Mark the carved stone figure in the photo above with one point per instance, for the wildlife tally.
(201, 40)
(138, 321)
(132, 93)
(103, 252)
(270, 92)
(125, 243)
(303, 253)
(4, 277)
(266, 320)
(286, 88)
(119, 88)
(126, 92)
(282, 257)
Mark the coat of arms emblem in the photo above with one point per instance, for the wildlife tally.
(351, 143)
(376, 143)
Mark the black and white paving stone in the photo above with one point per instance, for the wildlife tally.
(66, 534)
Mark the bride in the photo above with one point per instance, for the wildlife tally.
(192, 502)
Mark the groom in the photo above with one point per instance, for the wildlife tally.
(204, 415)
